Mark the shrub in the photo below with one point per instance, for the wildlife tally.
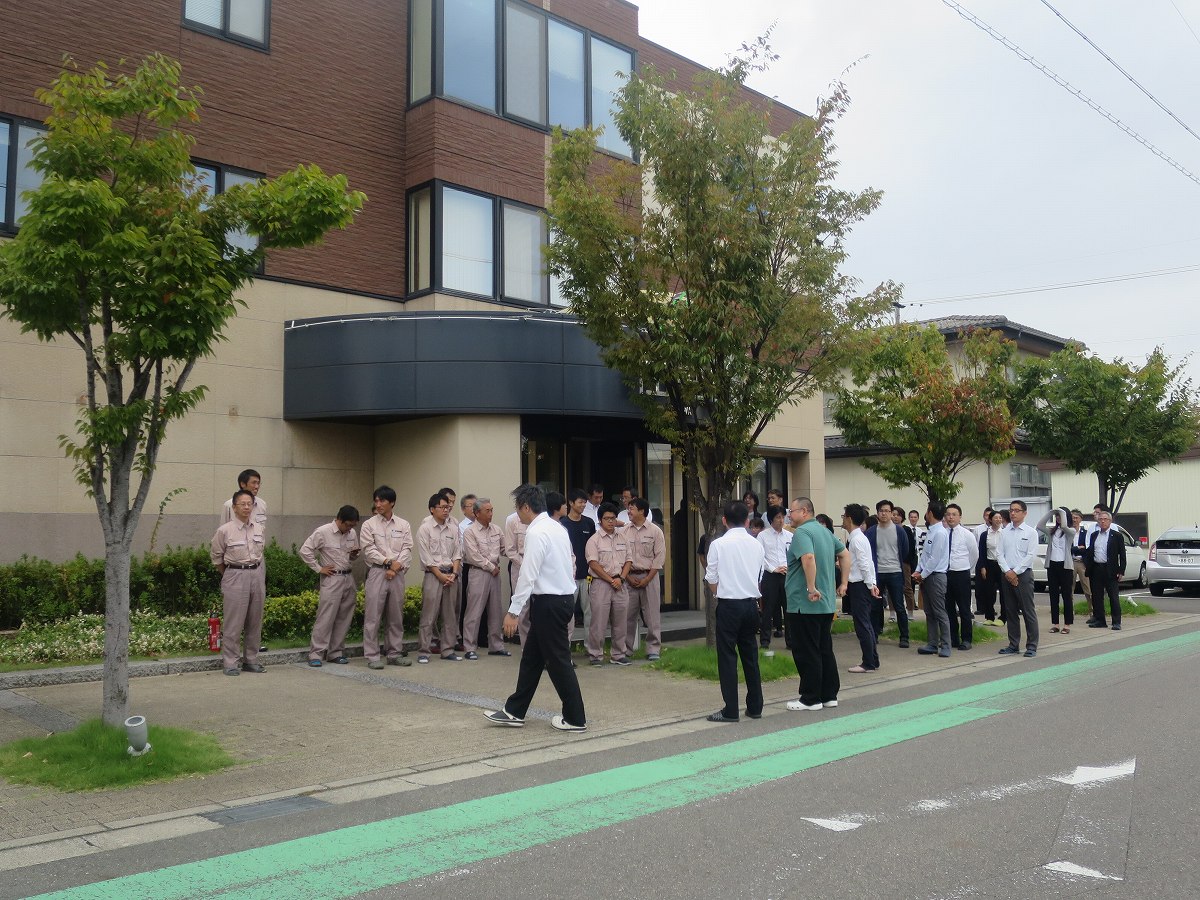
(81, 637)
(294, 615)
(287, 575)
(179, 581)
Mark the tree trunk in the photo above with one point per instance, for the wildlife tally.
(116, 634)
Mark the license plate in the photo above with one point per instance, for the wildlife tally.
(1192, 560)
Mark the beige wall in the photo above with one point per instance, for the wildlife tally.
(1167, 495)
(797, 428)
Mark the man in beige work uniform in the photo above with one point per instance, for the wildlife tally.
(441, 556)
(648, 549)
(481, 551)
(329, 551)
(237, 552)
(387, 545)
(608, 560)
(514, 549)
(250, 480)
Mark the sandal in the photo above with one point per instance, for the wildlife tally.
(1054, 629)
(1066, 629)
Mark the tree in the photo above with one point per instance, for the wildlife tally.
(932, 414)
(1112, 418)
(123, 253)
(719, 300)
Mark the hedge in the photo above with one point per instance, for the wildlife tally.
(180, 581)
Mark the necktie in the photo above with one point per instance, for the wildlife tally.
(949, 546)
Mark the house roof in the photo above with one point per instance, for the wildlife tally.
(952, 325)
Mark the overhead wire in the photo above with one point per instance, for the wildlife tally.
(1070, 88)
(1185, 21)
(1067, 285)
(1141, 87)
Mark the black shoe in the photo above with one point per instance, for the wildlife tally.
(1116, 626)
(1097, 624)
(903, 643)
(1007, 651)
(254, 667)
(778, 632)
(1030, 654)
(751, 715)
(927, 650)
(499, 653)
(963, 646)
(720, 716)
(1090, 620)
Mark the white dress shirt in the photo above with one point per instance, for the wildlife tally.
(964, 549)
(548, 566)
(862, 566)
(735, 565)
(1018, 548)
(592, 511)
(464, 525)
(775, 547)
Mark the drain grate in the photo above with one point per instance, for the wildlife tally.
(265, 810)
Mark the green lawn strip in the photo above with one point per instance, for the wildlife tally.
(94, 756)
(1128, 608)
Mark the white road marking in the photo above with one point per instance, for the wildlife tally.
(834, 824)
(1091, 775)
(1069, 868)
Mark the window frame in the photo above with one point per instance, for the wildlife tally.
(8, 224)
(437, 65)
(220, 170)
(436, 243)
(224, 33)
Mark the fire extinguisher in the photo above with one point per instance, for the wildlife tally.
(214, 632)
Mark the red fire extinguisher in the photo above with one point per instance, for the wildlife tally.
(214, 632)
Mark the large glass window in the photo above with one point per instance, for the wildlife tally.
(239, 20)
(218, 179)
(524, 236)
(611, 66)
(420, 235)
(467, 244)
(16, 173)
(469, 51)
(525, 63)
(568, 79)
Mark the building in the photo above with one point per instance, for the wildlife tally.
(984, 484)
(401, 350)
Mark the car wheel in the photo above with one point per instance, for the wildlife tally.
(1156, 590)
(1141, 581)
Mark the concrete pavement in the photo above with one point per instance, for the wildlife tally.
(344, 733)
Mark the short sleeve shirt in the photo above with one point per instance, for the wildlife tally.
(812, 537)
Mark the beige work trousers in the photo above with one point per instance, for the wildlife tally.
(335, 609)
(383, 598)
(438, 599)
(242, 595)
(609, 611)
(648, 602)
(483, 596)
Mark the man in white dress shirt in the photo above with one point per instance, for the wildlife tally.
(964, 553)
(1018, 549)
(547, 585)
(775, 542)
(735, 564)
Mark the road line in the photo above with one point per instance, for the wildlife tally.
(376, 855)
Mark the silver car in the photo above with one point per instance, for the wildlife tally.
(1175, 560)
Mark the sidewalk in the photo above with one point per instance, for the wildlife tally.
(342, 733)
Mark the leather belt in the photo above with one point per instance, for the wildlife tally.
(241, 565)
(342, 571)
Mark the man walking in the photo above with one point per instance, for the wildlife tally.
(547, 584)
(1018, 549)
(329, 551)
(1106, 568)
(931, 576)
(387, 545)
(735, 565)
(237, 553)
(812, 599)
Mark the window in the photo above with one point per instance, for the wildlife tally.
(467, 245)
(16, 174)
(828, 408)
(470, 243)
(219, 179)
(609, 64)
(524, 63)
(514, 58)
(524, 237)
(568, 92)
(1026, 479)
(469, 51)
(245, 21)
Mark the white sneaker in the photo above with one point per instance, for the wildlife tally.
(796, 705)
(829, 704)
(563, 725)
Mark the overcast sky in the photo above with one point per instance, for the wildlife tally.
(994, 177)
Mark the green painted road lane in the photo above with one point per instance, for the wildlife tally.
(361, 858)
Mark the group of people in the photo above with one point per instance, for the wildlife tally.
(778, 574)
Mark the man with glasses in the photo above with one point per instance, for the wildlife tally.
(439, 543)
(1018, 549)
(1106, 568)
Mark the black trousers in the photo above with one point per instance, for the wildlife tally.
(774, 602)
(812, 651)
(864, 623)
(1060, 582)
(1105, 584)
(958, 606)
(987, 589)
(737, 630)
(548, 648)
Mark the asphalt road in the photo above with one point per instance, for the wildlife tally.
(959, 787)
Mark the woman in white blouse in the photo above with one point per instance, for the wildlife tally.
(1060, 572)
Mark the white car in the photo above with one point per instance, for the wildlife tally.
(1135, 561)
(1175, 560)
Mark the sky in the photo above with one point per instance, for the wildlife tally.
(995, 178)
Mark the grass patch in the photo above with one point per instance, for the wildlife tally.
(93, 756)
(701, 662)
(1128, 608)
(918, 632)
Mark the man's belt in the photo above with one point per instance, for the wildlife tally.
(341, 572)
(241, 565)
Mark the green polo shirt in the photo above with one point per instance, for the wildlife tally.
(813, 537)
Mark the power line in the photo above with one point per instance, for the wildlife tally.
(1070, 88)
(1062, 286)
(1186, 22)
(1117, 66)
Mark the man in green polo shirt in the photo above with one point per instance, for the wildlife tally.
(812, 597)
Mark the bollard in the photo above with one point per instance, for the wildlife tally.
(137, 731)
